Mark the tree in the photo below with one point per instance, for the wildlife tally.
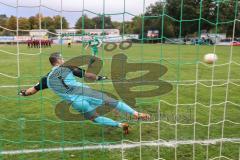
(154, 9)
(12, 23)
(47, 22)
(108, 22)
(57, 22)
(3, 21)
(227, 11)
(187, 15)
(88, 23)
(23, 23)
(117, 25)
(136, 26)
(102, 22)
(34, 22)
(209, 13)
(189, 10)
(154, 21)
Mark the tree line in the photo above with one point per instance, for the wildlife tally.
(179, 20)
(33, 22)
(189, 18)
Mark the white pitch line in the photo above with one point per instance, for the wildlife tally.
(15, 86)
(171, 144)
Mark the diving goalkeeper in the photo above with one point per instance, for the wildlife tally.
(61, 80)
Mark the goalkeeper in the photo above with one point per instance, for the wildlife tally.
(82, 98)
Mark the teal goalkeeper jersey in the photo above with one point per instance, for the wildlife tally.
(63, 82)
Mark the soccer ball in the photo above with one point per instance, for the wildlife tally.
(210, 58)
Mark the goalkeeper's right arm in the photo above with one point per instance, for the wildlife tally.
(28, 92)
(42, 84)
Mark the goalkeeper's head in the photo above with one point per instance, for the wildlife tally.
(56, 59)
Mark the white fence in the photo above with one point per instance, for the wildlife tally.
(65, 39)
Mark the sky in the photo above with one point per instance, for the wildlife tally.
(71, 9)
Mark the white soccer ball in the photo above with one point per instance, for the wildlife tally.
(210, 58)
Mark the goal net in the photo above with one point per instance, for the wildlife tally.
(152, 52)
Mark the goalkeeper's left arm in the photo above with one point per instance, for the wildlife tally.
(91, 76)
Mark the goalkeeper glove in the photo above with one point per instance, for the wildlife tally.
(101, 78)
(22, 92)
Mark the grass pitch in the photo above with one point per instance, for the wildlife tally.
(31, 123)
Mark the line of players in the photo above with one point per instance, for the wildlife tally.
(36, 43)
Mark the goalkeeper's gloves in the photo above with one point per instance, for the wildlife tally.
(22, 92)
(101, 78)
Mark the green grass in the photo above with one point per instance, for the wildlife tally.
(30, 122)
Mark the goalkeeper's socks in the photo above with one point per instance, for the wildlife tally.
(106, 121)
